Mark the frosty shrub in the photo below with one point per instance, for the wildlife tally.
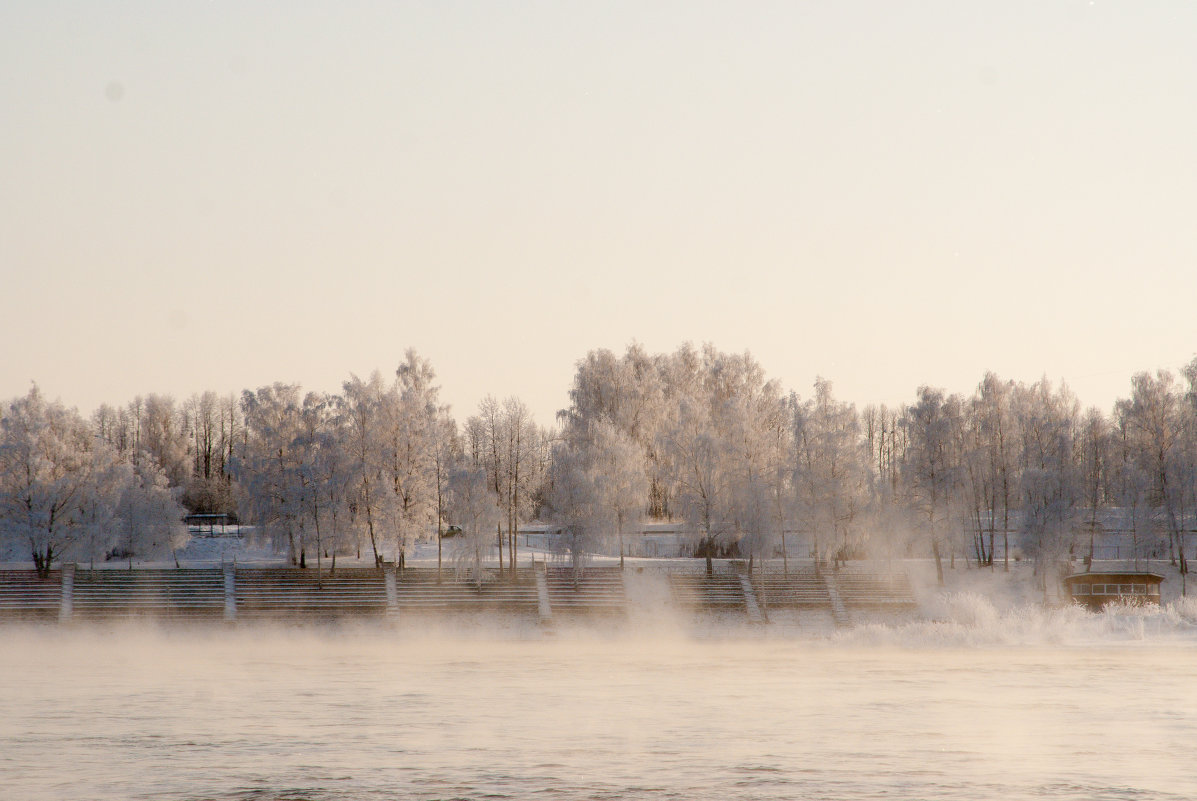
(1130, 606)
(1185, 609)
(966, 609)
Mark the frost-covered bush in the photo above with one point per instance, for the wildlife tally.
(1185, 609)
(971, 620)
(965, 609)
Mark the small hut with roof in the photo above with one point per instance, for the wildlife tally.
(1096, 589)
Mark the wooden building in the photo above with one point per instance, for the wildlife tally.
(1095, 590)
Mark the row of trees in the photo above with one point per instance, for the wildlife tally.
(696, 435)
(371, 469)
(1026, 459)
(383, 464)
(703, 436)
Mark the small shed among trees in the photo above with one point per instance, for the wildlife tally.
(204, 525)
(1095, 590)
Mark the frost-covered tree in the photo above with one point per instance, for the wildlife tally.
(99, 509)
(884, 442)
(53, 480)
(110, 424)
(830, 475)
(1096, 456)
(932, 471)
(270, 466)
(212, 426)
(409, 426)
(1154, 421)
(504, 440)
(333, 469)
(164, 436)
(574, 503)
(521, 439)
(597, 487)
(447, 456)
(756, 428)
(628, 394)
(1187, 463)
(487, 450)
(1050, 478)
(776, 479)
(1131, 488)
(360, 419)
(700, 463)
(988, 459)
(201, 412)
(621, 483)
(148, 517)
(713, 400)
(323, 477)
(472, 507)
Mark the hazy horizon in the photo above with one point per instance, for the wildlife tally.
(219, 197)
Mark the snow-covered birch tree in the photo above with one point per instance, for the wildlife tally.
(55, 481)
(359, 413)
(932, 468)
(574, 505)
(270, 467)
(148, 518)
(1050, 477)
(409, 422)
(1154, 422)
(621, 483)
(829, 469)
(473, 507)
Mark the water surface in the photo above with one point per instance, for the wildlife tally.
(368, 714)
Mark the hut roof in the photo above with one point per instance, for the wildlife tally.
(1138, 575)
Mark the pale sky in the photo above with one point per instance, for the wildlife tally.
(223, 195)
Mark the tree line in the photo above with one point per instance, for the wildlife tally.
(697, 435)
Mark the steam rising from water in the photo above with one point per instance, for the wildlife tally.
(1059, 704)
(967, 619)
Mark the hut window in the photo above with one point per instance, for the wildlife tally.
(1080, 589)
(1139, 589)
(1124, 589)
(1154, 589)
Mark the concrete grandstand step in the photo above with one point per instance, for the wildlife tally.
(450, 591)
(25, 595)
(713, 592)
(589, 590)
(286, 592)
(803, 589)
(142, 592)
(875, 590)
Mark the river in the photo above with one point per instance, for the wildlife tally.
(316, 713)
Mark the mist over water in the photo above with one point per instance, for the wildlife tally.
(976, 705)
